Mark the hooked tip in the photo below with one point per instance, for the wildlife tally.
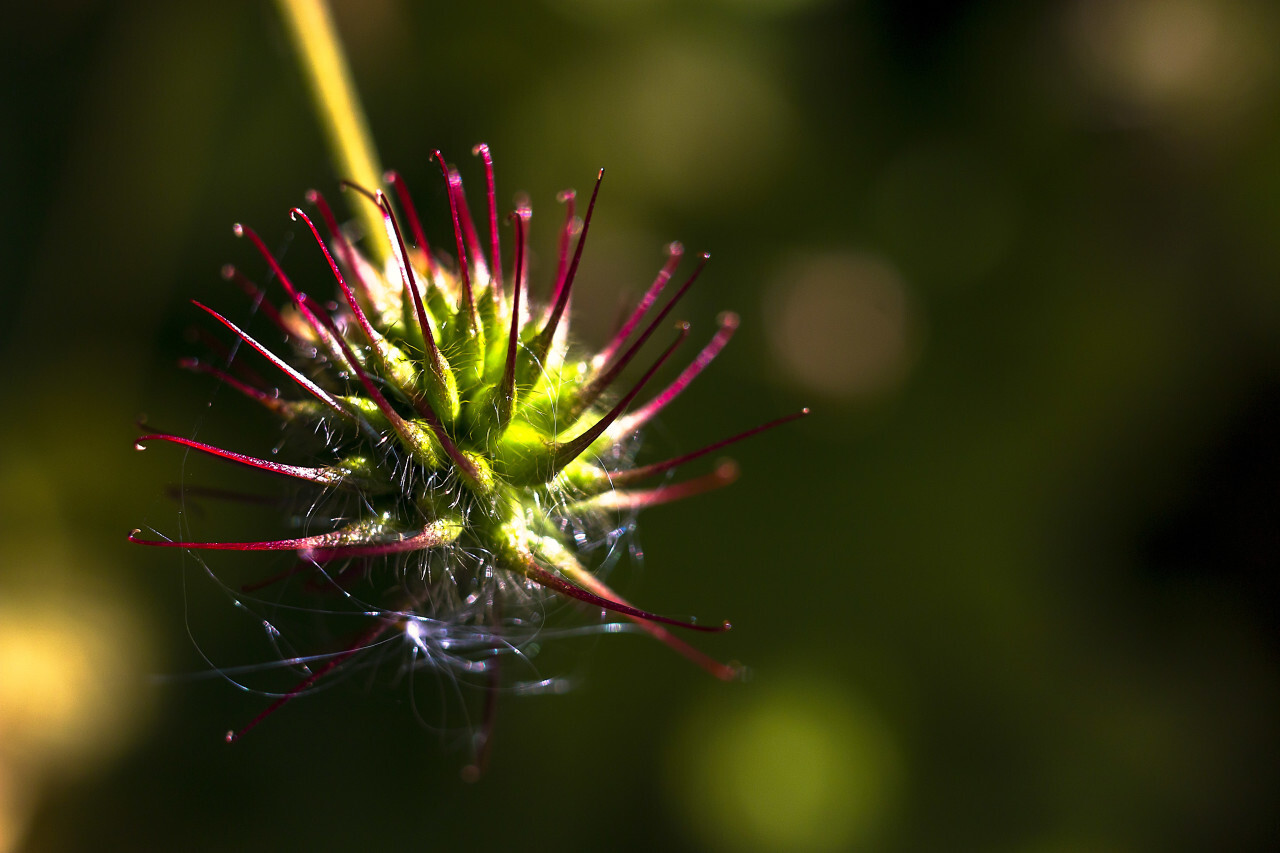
(479, 148)
(134, 533)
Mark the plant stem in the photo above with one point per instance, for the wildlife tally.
(337, 105)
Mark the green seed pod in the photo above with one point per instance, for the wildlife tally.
(476, 436)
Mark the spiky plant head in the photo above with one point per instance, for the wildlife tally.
(471, 444)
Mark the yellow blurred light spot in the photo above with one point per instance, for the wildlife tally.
(799, 767)
(69, 670)
(56, 674)
(842, 323)
(71, 652)
(1190, 61)
(701, 117)
(688, 117)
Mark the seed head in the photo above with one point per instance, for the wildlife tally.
(473, 444)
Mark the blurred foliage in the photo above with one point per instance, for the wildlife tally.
(1012, 587)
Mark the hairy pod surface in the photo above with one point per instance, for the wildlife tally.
(474, 443)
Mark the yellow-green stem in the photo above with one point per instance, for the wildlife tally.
(338, 107)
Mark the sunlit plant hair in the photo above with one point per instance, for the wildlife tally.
(469, 442)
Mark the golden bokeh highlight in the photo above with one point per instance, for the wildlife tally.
(73, 655)
(1191, 63)
(800, 766)
(843, 323)
(70, 677)
(684, 120)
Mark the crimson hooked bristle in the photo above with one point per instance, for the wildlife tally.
(506, 392)
(468, 449)
(407, 274)
(257, 294)
(495, 260)
(567, 198)
(312, 388)
(638, 418)
(468, 226)
(566, 453)
(469, 299)
(350, 257)
(406, 204)
(606, 376)
(674, 253)
(563, 291)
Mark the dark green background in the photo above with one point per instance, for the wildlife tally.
(1019, 597)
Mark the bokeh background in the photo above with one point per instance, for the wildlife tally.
(1011, 587)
